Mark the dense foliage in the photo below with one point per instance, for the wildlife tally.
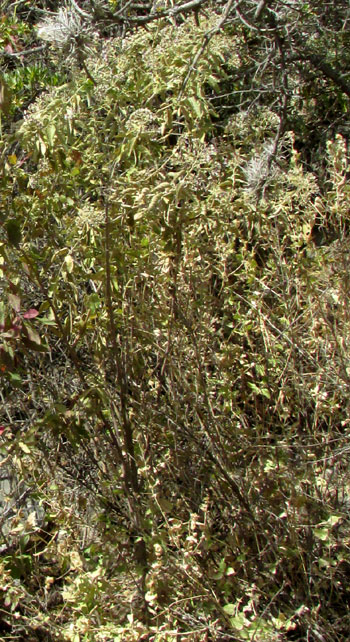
(174, 354)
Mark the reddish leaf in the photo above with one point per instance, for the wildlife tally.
(30, 314)
(76, 157)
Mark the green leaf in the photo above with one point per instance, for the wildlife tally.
(50, 131)
(333, 520)
(165, 505)
(14, 233)
(322, 534)
(14, 302)
(239, 622)
(16, 379)
(69, 261)
(196, 106)
(33, 335)
(213, 82)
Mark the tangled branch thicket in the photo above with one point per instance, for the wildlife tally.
(174, 332)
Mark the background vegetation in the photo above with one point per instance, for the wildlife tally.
(174, 321)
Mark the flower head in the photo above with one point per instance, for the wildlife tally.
(65, 29)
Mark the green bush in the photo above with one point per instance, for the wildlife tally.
(174, 356)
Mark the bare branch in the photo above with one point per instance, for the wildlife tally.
(207, 38)
(80, 11)
(168, 13)
(24, 52)
(260, 8)
(328, 70)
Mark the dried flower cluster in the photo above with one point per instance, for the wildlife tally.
(65, 30)
(261, 169)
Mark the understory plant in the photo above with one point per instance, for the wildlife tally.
(174, 359)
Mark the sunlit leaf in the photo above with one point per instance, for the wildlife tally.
(24, 447)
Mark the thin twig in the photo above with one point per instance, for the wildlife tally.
(260, 8)
(80, 11)
(207, 38)
(166, 13)
(25, 52)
